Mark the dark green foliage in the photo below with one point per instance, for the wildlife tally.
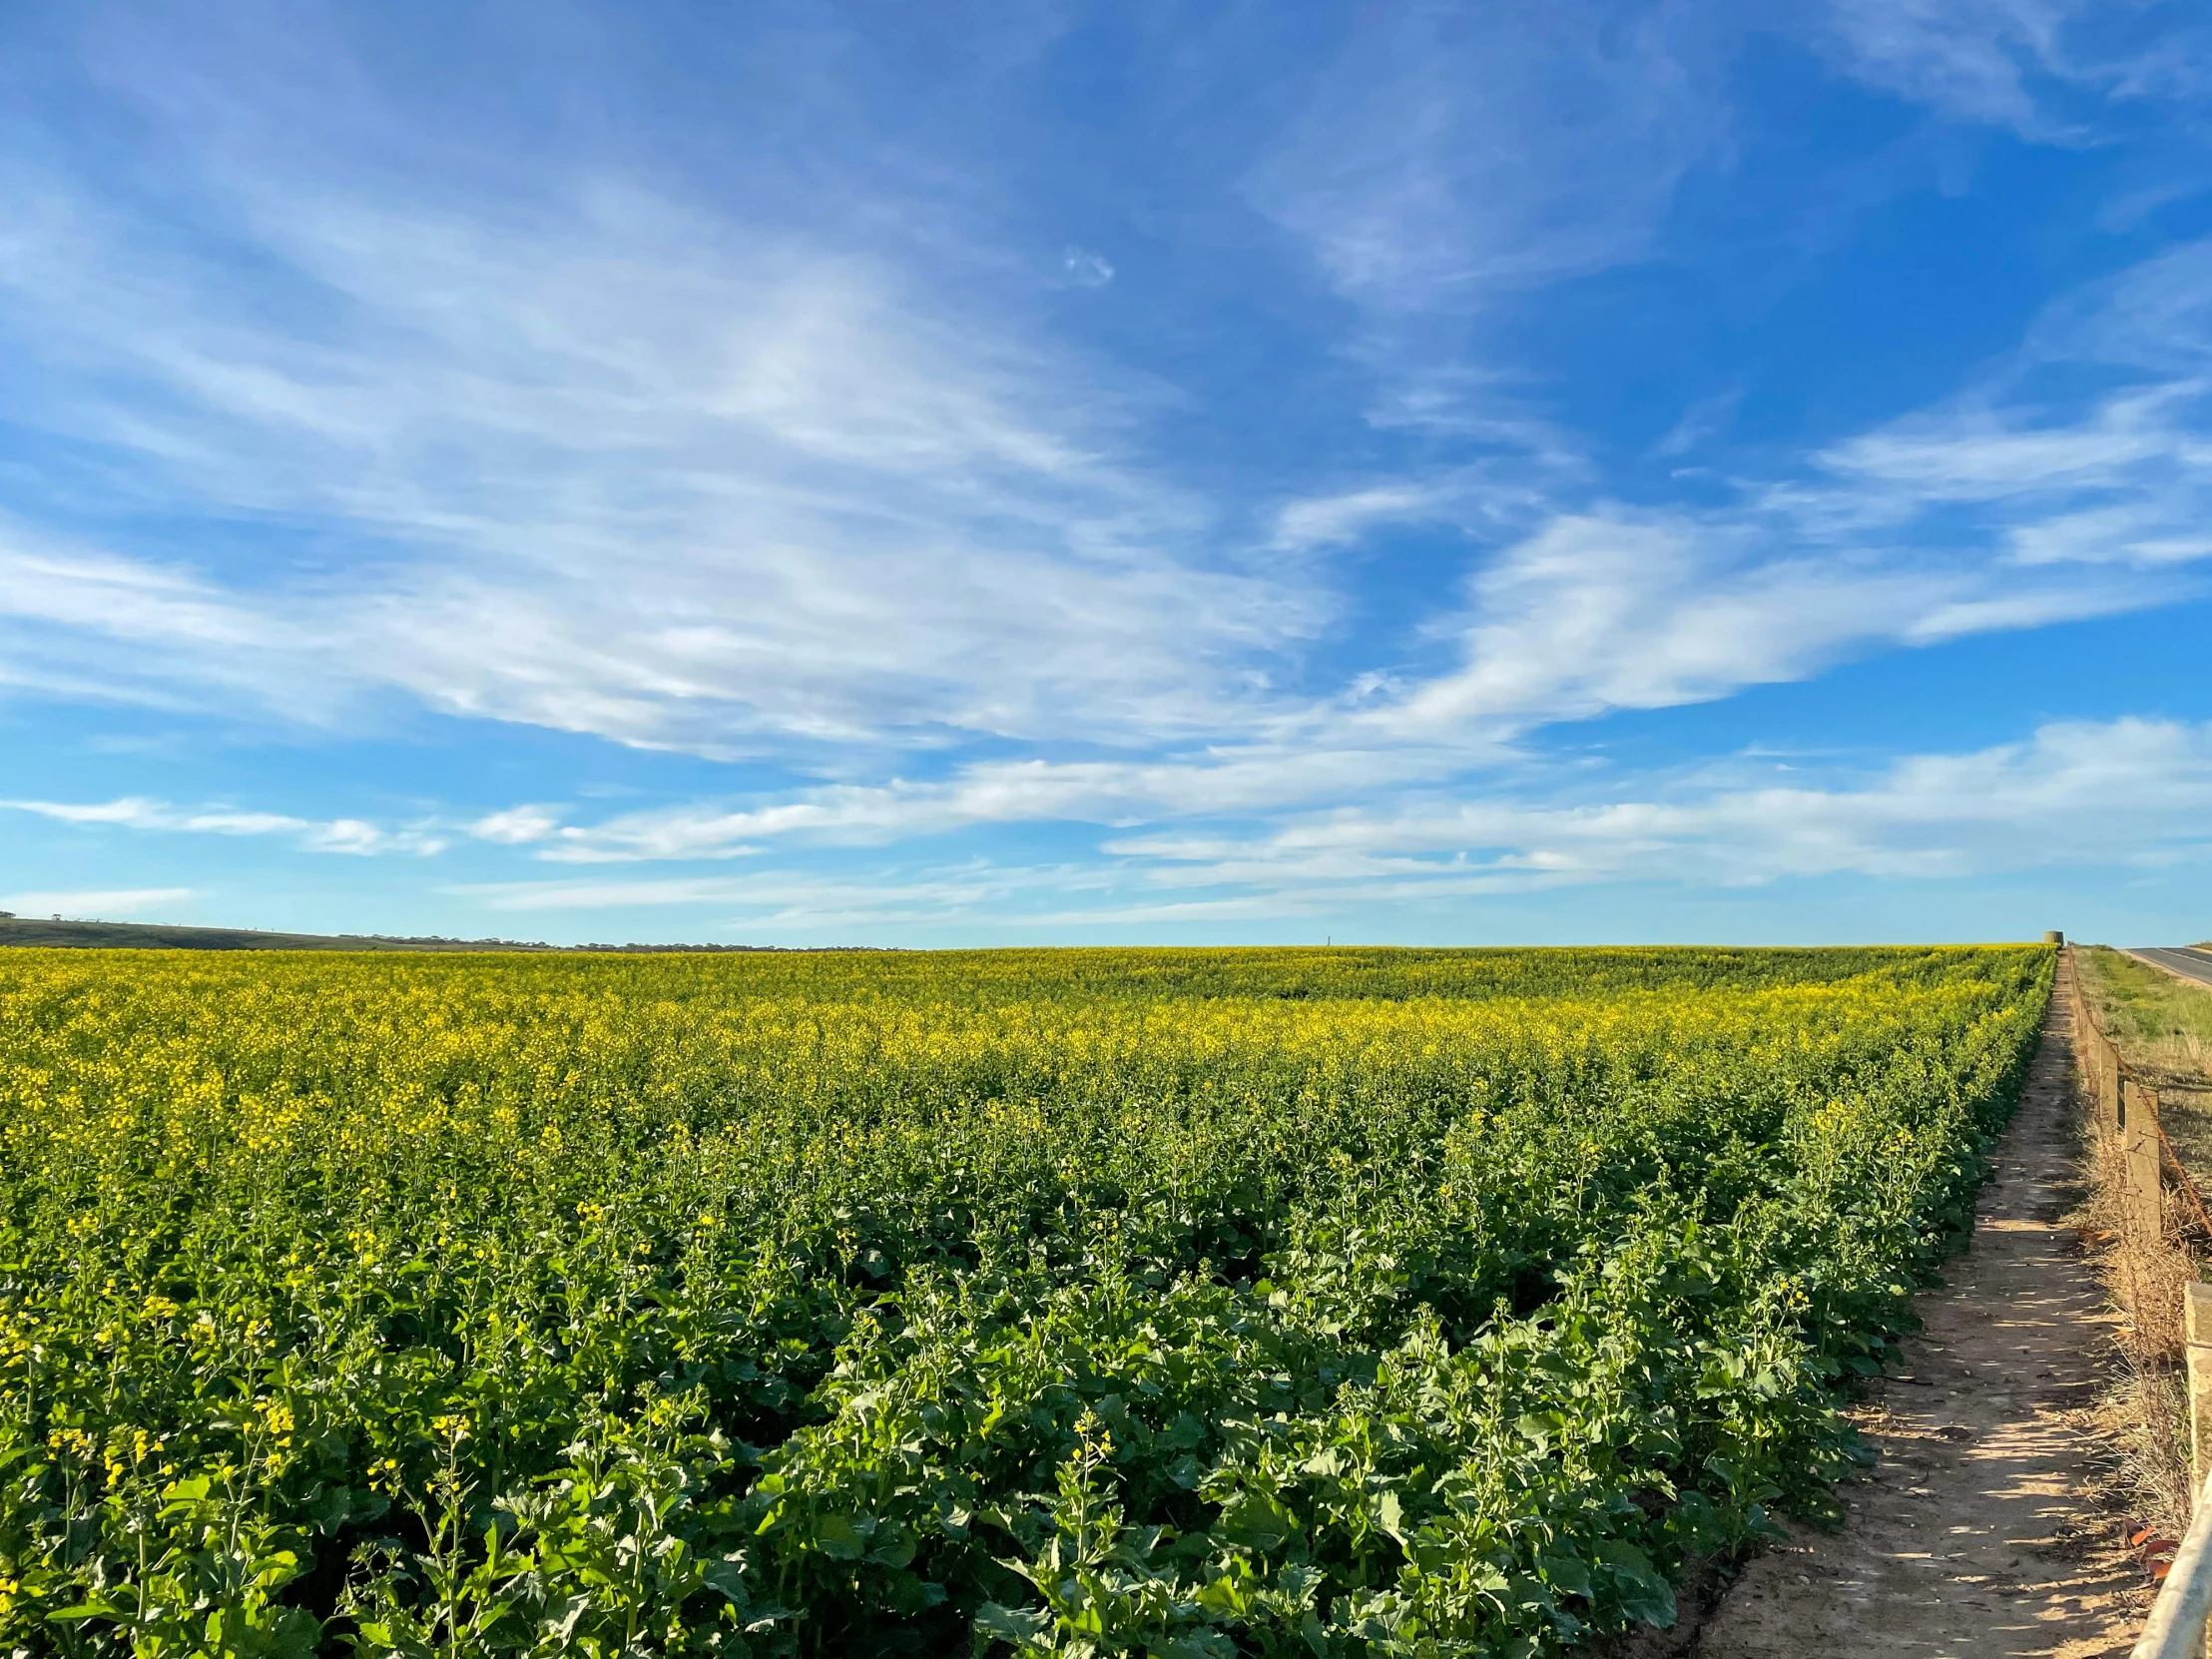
(1172, 1303)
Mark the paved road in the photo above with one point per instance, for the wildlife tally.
(2191, 965)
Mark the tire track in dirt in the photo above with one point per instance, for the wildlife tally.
(1979, 1532)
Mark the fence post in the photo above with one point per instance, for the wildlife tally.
(2145, 1213)
(2103, 1084)
(2196, 1320)
(2196, 1325)
(2115, 1102)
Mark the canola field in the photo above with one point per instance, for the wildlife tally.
(1170, 1302)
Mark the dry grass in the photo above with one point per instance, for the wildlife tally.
(2163, 1029)
(2162, 1023)
(2145, 1277)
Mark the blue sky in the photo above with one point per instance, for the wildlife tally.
(969, 474)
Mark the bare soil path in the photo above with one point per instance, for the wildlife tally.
(1977, 1531)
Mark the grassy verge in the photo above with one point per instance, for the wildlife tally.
(2162, 1026)
(2146, 1408)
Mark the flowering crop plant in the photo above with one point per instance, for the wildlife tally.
(1173, 1303)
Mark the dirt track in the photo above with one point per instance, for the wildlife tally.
(1977, 1532)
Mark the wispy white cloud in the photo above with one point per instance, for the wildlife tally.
(97, 904)
(1970, 57)
(790, 900)
(1085, 268)
(2077, 794)
(1491, 499)
(725, 478)
(1348, 515)
(1700, 423)
(621, 465)
(2121, 476)
(1451, 152)
(1613, 611)
(613, 463)
(2050, 800)
(344, 835)
(1995, 61)
(517, 825)
(97, 627)
(1594, 613)
(1587, 612)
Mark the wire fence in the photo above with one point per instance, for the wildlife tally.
(2126, 1110)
